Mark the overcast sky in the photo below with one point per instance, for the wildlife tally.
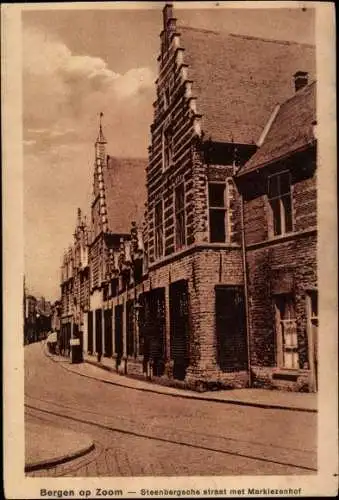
(77, 63)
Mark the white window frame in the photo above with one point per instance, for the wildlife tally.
(286, 336)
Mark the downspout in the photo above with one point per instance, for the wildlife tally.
(243, 249)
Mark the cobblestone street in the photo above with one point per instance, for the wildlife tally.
(138, 434)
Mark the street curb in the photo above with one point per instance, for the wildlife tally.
(186, 396)
(48, 463)
(193, 396)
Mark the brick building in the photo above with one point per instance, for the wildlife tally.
(280, 224)
(205, 283)
(114, 249)
(37, 318)
(75, 285)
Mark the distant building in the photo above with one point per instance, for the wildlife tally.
(37, 318)
(75, 285)
(56, 316)
(30, 325)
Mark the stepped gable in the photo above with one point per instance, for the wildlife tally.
(125, 192)
(291, 130)
(238, 80)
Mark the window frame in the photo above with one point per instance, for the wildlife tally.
(215, 209)
(281, 324)
(159, 230)
(180, 212)
(278, 200)
(167, 147)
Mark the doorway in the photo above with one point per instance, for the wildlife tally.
(230, 328)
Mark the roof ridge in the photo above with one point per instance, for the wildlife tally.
(298, 93)
(142, 158)
(201, 30)
(244, 36)
(272, 40)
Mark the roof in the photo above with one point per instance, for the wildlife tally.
(238, 80)
(125, 192)
(291, 130)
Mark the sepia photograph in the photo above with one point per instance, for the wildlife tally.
(170, 313)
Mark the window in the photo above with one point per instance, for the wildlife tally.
(167, 97)
(167, 144)
(314, 307)
(287, 339)
(180, 239)
(158, 227)
(217, 212)
(279, 195)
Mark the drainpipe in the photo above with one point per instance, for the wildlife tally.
(243, 249)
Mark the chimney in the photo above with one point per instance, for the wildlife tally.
(300, 80)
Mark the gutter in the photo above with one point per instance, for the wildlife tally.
(245, 291)
(242, 172)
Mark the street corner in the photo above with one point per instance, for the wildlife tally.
(46, 445)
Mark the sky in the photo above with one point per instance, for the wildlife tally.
(78, 63)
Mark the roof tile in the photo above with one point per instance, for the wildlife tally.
(125, 190)
(291, 130)
(238, 80)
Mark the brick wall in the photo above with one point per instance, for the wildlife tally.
(203, 269)
(285, 264)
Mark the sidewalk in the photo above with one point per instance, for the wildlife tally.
(47, 446)
(262, 398)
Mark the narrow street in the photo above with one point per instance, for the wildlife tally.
(142, 434)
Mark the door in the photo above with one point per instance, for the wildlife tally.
(152, 329)
(179, 323)
(90, 332)
(230, 328)
(98, 331)
(108, 333)
(118, 328)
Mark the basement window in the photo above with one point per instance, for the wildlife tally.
(217, 212)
